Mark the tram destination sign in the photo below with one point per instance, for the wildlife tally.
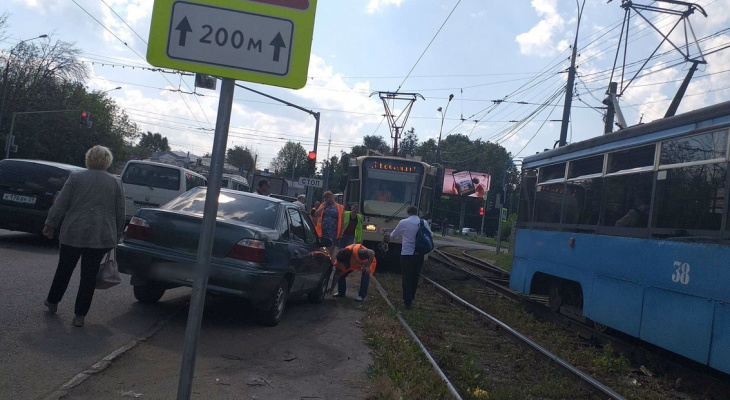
(263, 41)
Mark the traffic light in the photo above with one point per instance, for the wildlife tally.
(86, 118)
(481, 211)
(311, 163)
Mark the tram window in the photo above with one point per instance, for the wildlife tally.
(527, 196)
(353, 191)
(707, 146)
(690, 198)
(583, 201)
(627, 200)
(552, 172)
(548, 203)
(585, 167)
(425, 204)
(625, 160)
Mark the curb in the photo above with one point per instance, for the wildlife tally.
(107, 361)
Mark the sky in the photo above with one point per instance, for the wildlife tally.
(478, 51)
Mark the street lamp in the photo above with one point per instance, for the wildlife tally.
(107, 91)
(443, 116)
(5, 74)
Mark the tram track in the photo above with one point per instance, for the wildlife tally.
(483, 273)
(494, 344)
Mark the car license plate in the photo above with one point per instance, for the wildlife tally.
(138, 206)
(19, 198)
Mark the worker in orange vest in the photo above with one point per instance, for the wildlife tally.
(354, 257)
(328, 221)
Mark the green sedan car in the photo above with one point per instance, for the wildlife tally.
(265, 250)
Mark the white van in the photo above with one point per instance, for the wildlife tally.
(235, 182)
(149, 184)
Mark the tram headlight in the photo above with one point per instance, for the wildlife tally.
(370, 227)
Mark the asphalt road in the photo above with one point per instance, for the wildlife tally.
(41, 351)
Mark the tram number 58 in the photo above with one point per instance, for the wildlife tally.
(681, 274)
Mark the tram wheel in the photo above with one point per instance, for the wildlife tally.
(555, 297)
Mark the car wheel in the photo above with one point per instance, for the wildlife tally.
(317, 295)
(149, 293)
(271, 315)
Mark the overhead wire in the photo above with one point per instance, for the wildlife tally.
(137, 54)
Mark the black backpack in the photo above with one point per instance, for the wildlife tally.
(424, 239)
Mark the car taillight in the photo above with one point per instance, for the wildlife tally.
(139, 229)
(249, 250)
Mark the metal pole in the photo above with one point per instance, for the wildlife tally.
(484, 213)
(310, 190)
(680, 93)
(5, 86)
(205, 244)
(610, 111)
(569, 87)
(504, 200)
(9, 141)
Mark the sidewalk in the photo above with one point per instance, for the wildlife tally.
(316, 352)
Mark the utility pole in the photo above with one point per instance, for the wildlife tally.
(571, 82)
(329, 165)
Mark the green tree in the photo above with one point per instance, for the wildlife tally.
(152, 143)
(376, 143)
(241, 157)
(290, 161)
(48, 76)
(427, 151)
(408, 143)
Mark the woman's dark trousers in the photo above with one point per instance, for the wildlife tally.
(69, 257)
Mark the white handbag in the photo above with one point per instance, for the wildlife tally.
(108, 275)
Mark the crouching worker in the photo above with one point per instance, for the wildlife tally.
(354, 257)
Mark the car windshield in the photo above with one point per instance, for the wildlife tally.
(154, 176)
(35, 176)
(252, 209)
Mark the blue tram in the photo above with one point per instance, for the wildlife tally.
(631, 231)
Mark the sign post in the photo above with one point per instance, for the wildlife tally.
(205, 244)
(263, 41)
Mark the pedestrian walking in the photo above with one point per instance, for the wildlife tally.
(354, 257)
(91, 206)
(444, 226)
(410, 261)
(352, 227)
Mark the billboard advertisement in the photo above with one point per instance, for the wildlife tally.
(466, 183)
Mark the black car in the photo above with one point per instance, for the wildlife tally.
(28, 189)
(264, 249)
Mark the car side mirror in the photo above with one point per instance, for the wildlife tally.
(325, 242)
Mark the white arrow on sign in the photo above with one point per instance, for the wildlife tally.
(318, 183)
(230, 38)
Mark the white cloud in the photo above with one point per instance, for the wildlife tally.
(539, 39)
(374, 5)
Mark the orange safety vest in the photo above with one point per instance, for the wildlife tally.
(356, 263)
(340, 219)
